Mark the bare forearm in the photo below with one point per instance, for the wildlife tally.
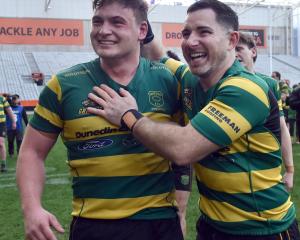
(173, 142)
(287, 153)
(30, 179)
(10, 114)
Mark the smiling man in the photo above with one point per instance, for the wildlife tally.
(232, 138)
(121, 189)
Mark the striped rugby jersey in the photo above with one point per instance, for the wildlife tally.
(114, 176)
(3, 104)
(274, 86)
(241, 189)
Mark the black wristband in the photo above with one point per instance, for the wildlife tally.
(150, 35)
(130, 118)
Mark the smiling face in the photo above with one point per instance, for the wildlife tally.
(115, 32)
(206, 43)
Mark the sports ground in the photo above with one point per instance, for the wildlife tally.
(57, 196)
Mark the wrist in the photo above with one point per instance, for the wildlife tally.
(130, 118)
(289, 169)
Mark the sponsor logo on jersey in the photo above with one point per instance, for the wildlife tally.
(78, 73)
(187, 98)
(156, 98)
(88, 103)
(98, 132)
(221, 117)
(95, 145)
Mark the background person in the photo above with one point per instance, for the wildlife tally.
(17, 133)
(4, 109)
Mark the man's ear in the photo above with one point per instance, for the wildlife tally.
(254, 52)
(143, 30)
(234, 38)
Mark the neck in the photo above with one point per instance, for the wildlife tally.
(250, 69)
(215, 76)
(121, 70)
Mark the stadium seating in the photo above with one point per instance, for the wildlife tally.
(16, 68)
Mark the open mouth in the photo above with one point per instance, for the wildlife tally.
(198, 55)
(106, 42)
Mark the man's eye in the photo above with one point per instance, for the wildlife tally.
(185, 34)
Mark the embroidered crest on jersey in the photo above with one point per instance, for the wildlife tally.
(187, 98)
(156, 98)
(88, 103)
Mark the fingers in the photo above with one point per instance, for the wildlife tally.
(96, 111)
(124, 93)
(102, 93)
(56, 225)
(97, 99)
(109, 91)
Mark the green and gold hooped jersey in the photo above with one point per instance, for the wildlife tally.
(241, 189)
(274, 86)
(3, 104)
(114, 175)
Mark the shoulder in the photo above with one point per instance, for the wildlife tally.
(77, 70)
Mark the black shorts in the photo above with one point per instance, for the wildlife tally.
(207, 232)
(125, 229)
(2, 129)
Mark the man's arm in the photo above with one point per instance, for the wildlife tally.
(182, 145)
(183, 185)
(30, 179)
(11, 115)
(287, 154)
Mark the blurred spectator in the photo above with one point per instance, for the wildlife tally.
(173, 55)
(17, 133)
(284, 90)
(4, 109)
(292, 118)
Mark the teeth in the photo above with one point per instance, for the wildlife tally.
(106, 42)
(197, 55)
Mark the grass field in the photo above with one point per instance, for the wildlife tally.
(57, 196)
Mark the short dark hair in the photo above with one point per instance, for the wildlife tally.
(248, 40)
(139, 7)
(224, 14)
(277, 74)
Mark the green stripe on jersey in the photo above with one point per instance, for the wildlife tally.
(251, 202)
(122, 187)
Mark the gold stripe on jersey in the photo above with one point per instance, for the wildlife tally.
(50, 116)
(263, 143)
(2, 112)
(119, 208)
(279, 102)
(238, 146)
(92, 123)
(225, 212)
(2, 120)
(173, 65)
(120, 165)
(55, 87)
(184, 72)
(249, 86)
(236, 182)
(231, 121)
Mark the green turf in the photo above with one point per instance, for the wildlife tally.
(57, 196)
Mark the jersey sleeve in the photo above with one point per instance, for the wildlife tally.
(48, 112)
(239, 104)
(5, 103)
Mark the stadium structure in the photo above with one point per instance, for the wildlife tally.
(41, 37)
